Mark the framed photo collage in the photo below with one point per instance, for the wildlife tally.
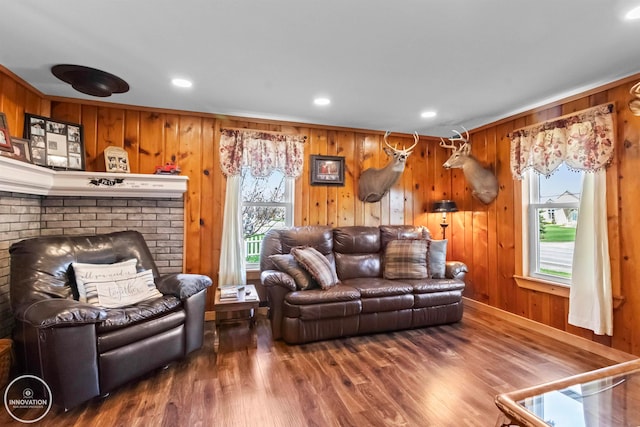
(54, 143)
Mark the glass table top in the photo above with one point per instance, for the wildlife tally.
(611, 401)
(605, 397)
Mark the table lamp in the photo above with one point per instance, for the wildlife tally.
(444, 206)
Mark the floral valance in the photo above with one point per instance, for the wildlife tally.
(261, 152)
(583, 141)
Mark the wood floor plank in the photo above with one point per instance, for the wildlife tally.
(439, 376)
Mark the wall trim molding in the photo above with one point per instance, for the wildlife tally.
(588, 345)
(25, 178)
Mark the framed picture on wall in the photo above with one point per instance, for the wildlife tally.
(54, 143)
(327, 170)
(5, 135)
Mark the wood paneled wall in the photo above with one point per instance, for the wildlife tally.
(486, 237)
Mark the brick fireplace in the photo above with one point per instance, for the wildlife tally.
(36, 201)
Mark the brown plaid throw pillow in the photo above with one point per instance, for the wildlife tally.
(317, 265)
(406, 259)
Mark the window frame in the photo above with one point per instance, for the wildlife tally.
(532, 234)
(288, 204)
(522, 277)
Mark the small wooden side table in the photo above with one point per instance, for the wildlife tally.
(249, 300)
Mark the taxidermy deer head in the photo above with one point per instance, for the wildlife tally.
(484, 184)
(375, 183)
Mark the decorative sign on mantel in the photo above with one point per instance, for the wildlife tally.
(21, 177)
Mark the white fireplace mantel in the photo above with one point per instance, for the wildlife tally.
(22, 177)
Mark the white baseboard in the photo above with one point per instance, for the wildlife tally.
(591, 346)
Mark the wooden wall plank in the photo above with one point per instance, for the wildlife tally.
(131, 141)
(189, 157)
(151, 145)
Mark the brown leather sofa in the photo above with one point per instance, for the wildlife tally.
(81, 350)
(363, 302)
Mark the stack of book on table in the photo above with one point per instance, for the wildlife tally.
(229, 292)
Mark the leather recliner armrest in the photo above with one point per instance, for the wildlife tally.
(455, 270)
(183, 285)
(278, 278)
(59, 312)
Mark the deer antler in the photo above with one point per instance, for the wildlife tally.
(395, 147)
(386, 134)
(463, 146)
(415, 139)
(445, 145)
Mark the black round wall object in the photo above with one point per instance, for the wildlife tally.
(90, 80)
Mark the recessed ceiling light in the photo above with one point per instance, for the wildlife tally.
(181, 82)
(322, 101)
(633, 14)
(427, 114)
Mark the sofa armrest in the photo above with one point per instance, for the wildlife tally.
(59, 312)
(183, 285)
(271, 278)
(455, 270)
(278, 284)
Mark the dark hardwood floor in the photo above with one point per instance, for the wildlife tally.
(438, 376)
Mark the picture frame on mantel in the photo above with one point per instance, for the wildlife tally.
(20, 150)
(5, 135)
(327, 170)
(54, 143)
(116, 159)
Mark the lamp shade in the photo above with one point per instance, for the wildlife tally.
(445, 206)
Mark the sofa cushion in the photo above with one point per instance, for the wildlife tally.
(427, 286)
(406, 259)
(338, 293)
(319, 238)
(356, 240)
(145, 310)
(437, 258)
(317, 265)
(83, 273)
(288, 264)
(122, 292)
(401, 232)
(379, 287)
(349, 266)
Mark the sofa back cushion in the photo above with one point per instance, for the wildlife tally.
(318, 237)
(356, 240)
(400, 232)
(350, 266)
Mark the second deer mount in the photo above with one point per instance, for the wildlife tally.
(483, 182)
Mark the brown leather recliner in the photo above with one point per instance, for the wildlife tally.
(81, 350)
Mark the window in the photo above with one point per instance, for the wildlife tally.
(551, 210)
(266, 203)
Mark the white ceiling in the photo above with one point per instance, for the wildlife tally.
(381, 62)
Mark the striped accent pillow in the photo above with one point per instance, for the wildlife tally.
(288, 264)
(406, 259)
(317, 265)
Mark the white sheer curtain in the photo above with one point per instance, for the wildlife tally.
(261, 152)
(232, 257)
(591, 301)
(583, 141)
